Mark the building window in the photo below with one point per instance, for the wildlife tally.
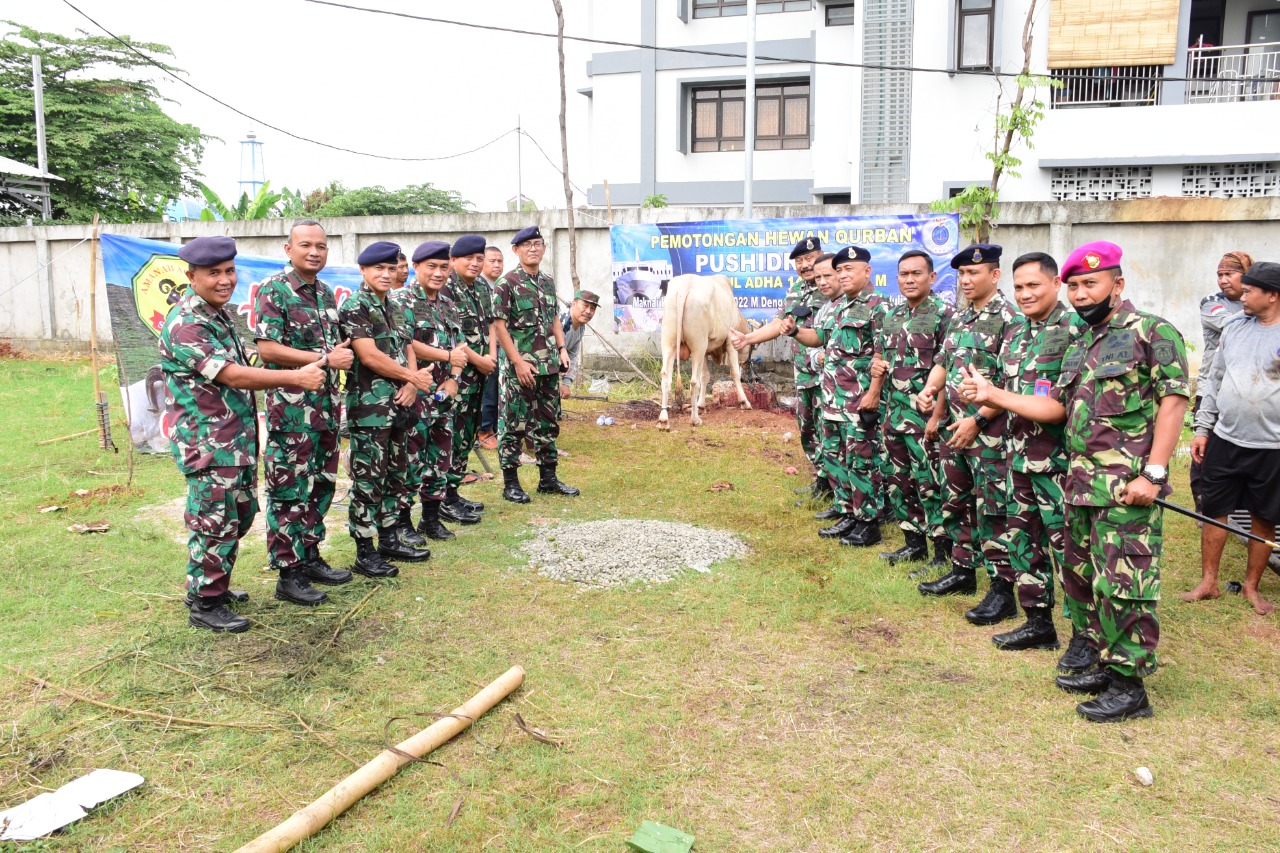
(719, 117)
(975, 27)
(840, 15)
(730, 8)
(1100, 183)
(1231, 180)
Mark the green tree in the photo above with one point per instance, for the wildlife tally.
(337, 200)
(264, 204)
(118, 152)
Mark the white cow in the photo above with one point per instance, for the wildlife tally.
(697, 313)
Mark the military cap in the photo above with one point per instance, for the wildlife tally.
(1263, 274)
(207, 251)
(1091, 257)
(805, 246)
(851, 253)
(530, 233)
(978, 253)
(588, 297)
(381, 252)
(434, 250)
(468, 244)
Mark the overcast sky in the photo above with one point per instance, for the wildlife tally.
(375, 83)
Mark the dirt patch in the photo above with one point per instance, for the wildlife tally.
(92, 497)
(880, 632)
(635, 410)
(7, 350)
(1263, 632)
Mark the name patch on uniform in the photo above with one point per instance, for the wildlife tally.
(989, 326)
(1055, 341)
(1117, 348)
(1042, 387)
(1165, 352)
(1072, 362)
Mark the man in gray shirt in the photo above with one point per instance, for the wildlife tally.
(1238, 432)
(574, 323)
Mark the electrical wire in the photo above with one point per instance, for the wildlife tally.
(44, 266)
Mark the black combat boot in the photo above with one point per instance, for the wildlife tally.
(404, 526)
(549, 484)
(863, 534)
(294, 588)
(942, 547)
(393, 547)
(213, 615)
(231, 596)
(997, 605)
(1036, 633)
(370, 563)
(818, 492)
(840, 528)
(511, 490)
(1093, 680)
(961, 580)
(452, 508)
(1125, 698)
(1080, 654)
(431, 526)
(318, 570)
(828, 514)
(453, 496)
(917, 548)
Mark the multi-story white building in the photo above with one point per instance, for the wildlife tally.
(1159, 98)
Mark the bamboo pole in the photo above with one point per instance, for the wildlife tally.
(308, 821)
(66, 437)
(99, 398)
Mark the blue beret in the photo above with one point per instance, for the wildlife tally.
(805, 246)
(851, 253)
(468, 244)
(530, 233)
(207, 251)
(434, 250)
(381, 252)
(978, 253)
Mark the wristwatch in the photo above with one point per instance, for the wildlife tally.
(981, 420)
(1157, 474)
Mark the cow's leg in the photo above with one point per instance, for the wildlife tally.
(735, 371)
(668, 362)
(697, 381)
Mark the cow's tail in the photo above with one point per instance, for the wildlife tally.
(684, 297)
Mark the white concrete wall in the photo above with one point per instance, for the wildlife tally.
(616, 129)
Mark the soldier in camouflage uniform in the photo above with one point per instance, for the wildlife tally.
(851, 399)
(974, 465)
(473, 299)
(803, 294)
(296, 323)
(533, 354)
(1122, 394)
(437, 342)
(215, 431)
(913, 334)
(382, 392)
(487, 437)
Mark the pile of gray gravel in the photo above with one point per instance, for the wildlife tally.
(623, 551)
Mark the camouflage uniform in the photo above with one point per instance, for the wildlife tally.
(214, 438)
(474, 305)
(528, 305)
(1032, 355)
(433, 322)
(975, 496)
(1111, 383)
(379, 463)
(909, 342)
(808, 380)
(301, 460)
(851, 447)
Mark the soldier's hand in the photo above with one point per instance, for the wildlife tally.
(341, 357)
(870, 402)
(737, 339)
(1198, 445)
(879, 367)
(789, 326)
(486, 364)
(449, 387)
(974, 388)
(931, 429)
(565, 361)
(963, 432)
(524, 373)
(407, 394)
(423, 380)
(564, 391)
(1139, 492)
(924, 400)
(458, 357)
(310, 377)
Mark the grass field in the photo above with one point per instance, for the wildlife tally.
(802, 698)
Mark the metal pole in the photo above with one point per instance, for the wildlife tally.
(749, 129)
(42, 160)
(519, 177)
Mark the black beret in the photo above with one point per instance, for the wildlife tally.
(978, 253)
(381, 252)
(468, 244)
(851, 253)
(207, 251)
(530, 233)
(805, 246)
(1263, 274)
(434, 250)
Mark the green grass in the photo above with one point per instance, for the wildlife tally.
(802, 698)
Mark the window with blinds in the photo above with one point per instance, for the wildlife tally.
(886, 101)
(1103, 33)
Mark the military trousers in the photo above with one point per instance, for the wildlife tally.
(974, 506)
(808, 415)
(379, 479)
(850, 462)
(1111, 580)
(911, 483)
(221, 505)
(1035, 535)
(301, 469)
(532, 413)
(466, 423)
(430, 451)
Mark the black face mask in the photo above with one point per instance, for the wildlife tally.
(1098, 311)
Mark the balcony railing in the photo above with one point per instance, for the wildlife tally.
(1110, 86)
(1237, 72)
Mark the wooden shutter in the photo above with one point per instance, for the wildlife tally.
(1094, 33)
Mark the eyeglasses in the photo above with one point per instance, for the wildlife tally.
(534, 244)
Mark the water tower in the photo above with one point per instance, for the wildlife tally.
(253, 170)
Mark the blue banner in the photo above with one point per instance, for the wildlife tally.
(753, 253)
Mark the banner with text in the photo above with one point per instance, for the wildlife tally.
(753, 254)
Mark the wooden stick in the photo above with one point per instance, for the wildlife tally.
(308, 821)
(66, 437)
(93, 312)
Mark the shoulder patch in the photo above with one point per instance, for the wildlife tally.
(1165, 351)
